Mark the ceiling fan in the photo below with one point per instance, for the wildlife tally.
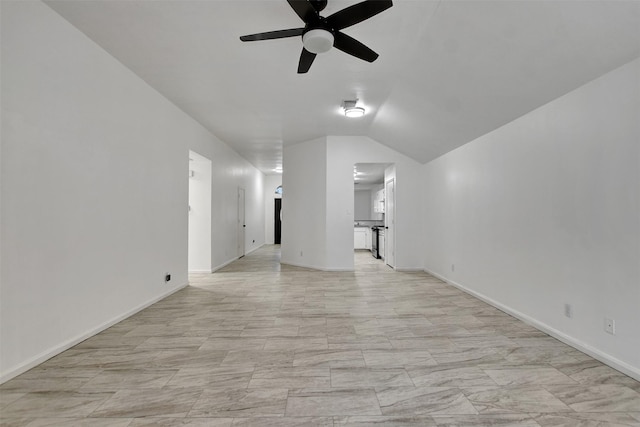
(321, 34)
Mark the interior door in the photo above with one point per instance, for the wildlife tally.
(241, 222)
(390, 223)
(277, 226)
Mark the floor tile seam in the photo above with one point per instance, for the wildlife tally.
(527, 415)
(599, 382)
(375, 393)
(528, 387)
(98, 406)
(194, 403)
(511, 368)
(436, 389)
(585, 388)
(575, 412)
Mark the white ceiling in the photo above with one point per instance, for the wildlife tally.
(449, 71)
(365, 174)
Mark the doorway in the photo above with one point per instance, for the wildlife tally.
(241, 222)
(368, 213)
(199, 214)
(277, 223)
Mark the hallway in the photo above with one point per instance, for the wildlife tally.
(261, 344)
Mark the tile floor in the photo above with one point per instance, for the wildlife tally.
(259, 344)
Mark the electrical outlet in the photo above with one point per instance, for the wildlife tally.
(609, 326)
(568, 311)
(167, 277)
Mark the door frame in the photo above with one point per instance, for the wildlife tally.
(242, 225)
(199, 257)
(277, 221)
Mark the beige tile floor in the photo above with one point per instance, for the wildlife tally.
(259, 344)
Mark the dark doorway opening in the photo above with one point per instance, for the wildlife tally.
(277, 227)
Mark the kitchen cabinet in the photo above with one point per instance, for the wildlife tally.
(360, 238)
(367, 242)
(381, 243)
(378, 202)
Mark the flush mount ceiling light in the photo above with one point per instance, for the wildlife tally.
(356, 173)
(350, 109)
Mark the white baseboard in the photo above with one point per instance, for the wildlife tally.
(254, 249)
(296, 264)
(224, 264)
(603, 357)
(199, 271)
(311, 267)
(53, 351)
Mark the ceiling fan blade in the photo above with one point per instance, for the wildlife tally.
(304, 10)
(269, 35)
(306, 59)
(357, 13)
(349, 45)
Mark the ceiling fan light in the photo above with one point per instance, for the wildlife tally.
(354, 112)
(350, 109)
(317, 41)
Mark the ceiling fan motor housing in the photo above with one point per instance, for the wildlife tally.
(318, 5)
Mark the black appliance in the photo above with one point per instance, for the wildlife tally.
(374, 242)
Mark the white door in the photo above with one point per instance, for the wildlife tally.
(241, 222)
(389, 223)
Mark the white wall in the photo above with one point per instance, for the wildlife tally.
(199, 253)
(271, 182)
(359, 197)
(546, 211)
(363, 204)
(304, 204)
(94, 189)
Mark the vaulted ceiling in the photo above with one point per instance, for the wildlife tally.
(449, 71)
